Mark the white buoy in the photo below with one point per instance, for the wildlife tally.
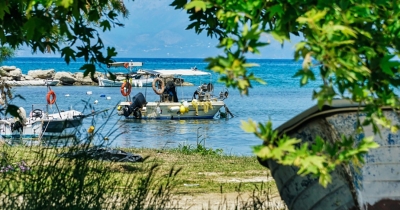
(96, 101)
(66, 95)
(89, 93)
(108, 97)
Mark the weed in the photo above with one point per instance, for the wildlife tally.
(197, 149)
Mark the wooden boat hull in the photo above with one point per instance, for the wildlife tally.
(373, 185)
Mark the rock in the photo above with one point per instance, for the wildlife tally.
(27, 77)
(6, 78)
(15, 74)
(83, 80)
(42, 74)
(9, 68)
(66, 78)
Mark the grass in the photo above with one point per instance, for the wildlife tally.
(212, 172)
(161, 181)
(186, 177)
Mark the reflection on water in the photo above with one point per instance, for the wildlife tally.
(163, 133)
(48, 142)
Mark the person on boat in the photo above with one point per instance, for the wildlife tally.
(171, 91)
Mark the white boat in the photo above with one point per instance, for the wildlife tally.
(202, 105)
(41, 82)
(41, 125)
(136, 79)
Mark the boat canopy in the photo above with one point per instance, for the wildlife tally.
(176, 72)
(122, 64)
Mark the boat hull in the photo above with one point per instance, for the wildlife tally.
(373, 185)
(170, 111)
(34, 83)
(60, 125)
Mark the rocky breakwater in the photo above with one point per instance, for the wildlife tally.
(13, 76)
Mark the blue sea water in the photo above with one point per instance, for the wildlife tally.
(279, 100)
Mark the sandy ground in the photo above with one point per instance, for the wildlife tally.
(227, 201)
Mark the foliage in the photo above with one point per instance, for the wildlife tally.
(319, 158)
(6, 53)
(68, 27)
(54, 182)
(353, 44)
(188, 149)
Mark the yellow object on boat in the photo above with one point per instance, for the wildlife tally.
(91, 129)
(196, 106)
(209, 105)
(182, 109)
(118, 108)
(206, 106)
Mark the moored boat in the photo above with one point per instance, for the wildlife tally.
(41, 82)
(202, 105)
(136, 79)
(40, 125)
(41, 122)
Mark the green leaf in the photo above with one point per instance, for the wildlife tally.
(249, 127)
(386, 64)
(68, 53)
(3, 9)
(105, 24)
(278, 37)
(13, 110)
(197, 5)
(111, 76)
(88, 69)
(65, 3)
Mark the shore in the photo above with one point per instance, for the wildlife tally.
(190, 178)
(14, 77)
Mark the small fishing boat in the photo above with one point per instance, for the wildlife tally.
(202, 105)
(37, 82)
(42, 123)
(135, 79)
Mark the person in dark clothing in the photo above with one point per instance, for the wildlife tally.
(171, 90)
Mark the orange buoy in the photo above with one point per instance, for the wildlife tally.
(51, 97)
(126, 88)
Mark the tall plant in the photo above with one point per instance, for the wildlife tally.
(352, 45)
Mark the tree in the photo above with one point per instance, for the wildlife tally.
(353, 45)
(65, 26)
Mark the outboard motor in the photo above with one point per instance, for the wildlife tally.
(138, 102)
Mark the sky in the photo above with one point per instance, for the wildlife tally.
(156, 30)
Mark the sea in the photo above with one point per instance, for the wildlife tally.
(279, 100)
